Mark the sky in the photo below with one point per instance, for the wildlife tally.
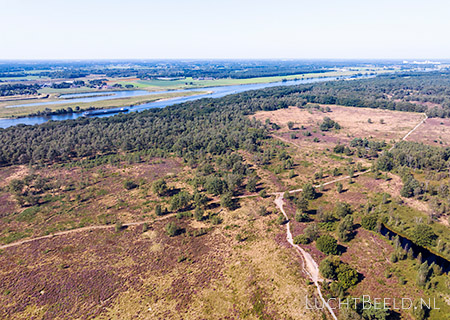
(231, 29)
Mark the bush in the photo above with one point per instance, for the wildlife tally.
(129, 185)
(369, 222)
(172, 229)
(262, 211)
(339, 187)
(302, 204)
(309, 193)
(215, 220)
(160, 187)
(198, 214)
(226, 201)
(301, 239)
(333, 268)
(180, 201)
(342, 209)
(345, 230)
(301, 217)
(281, 219)
(158, 210)
(312, 231)
(423, 235)
(327, 244)
(118, 226)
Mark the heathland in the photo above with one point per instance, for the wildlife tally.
(170, 213)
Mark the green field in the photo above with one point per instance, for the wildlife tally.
(186, 83)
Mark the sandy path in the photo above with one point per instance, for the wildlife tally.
(61, 233)
(310, 266)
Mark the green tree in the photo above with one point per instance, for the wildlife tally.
(423, 235)
(302, 204)
(345, 229)
(309, 193)
(198, 214)
(342, 209)
(312, 231)
(214, 185)
(160, 187)
(180, 201)
(172, 229)
(251, 183)
(327, 244)
(226, 201)
(422, 274)
(158, 210)
(339, 187)
(347, 276)
(369, 222)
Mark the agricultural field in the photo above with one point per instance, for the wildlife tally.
(189, 82)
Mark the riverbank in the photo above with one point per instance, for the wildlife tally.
(39, 110)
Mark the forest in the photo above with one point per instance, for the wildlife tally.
(151, 69)
(213, 126)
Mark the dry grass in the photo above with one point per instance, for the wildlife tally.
(434, 132)
(354, 122)
(135, 275)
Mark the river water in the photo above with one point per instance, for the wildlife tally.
(216, 92)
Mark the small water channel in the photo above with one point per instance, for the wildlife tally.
(427, 255)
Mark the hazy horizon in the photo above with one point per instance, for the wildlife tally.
(243, 30)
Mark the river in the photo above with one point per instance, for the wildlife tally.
(216, 92)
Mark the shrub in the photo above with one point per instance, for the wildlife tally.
(369, 222)
(281, 219)
(301, 239)
(342, 209)
(226, 201)
(172, 229)
(160, 187)
(301, 217)
(215, 220)
(339, 187)
(180, 201)
(333, 268)
(312, 231)
(327, 244)
(118, 226)
(262, 211)
(198, 214)
(129, 185)
(423, 235)
(309, 193)
(158, 210)
(302, 204)
(345, 230)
